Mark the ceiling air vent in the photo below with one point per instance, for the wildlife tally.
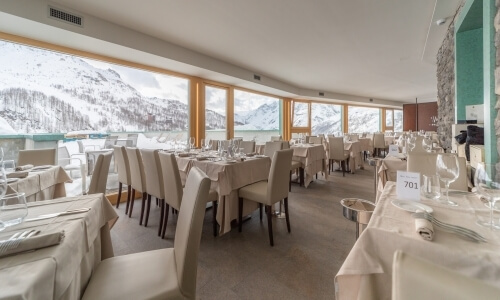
(256, 77)
(60, 15)
(321, 94)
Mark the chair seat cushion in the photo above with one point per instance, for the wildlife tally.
(256, 192)
(295, 165)
(150, 275)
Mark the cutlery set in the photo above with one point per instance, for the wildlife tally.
(16, 238)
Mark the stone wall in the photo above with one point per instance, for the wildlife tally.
(446, 88)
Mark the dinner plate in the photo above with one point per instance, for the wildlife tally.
(260, 156)
(39, 168)
(229, 161)
(411, 206)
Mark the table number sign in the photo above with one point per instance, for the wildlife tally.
(408, 186)
(394, 150)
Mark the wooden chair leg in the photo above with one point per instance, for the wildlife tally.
(162, 214)
(270, 224)
(240, 214)
(132, 200)
(287, 215)
(148, 209)
(290, 182)
(129, 196)
(214, 216)
(342, 164)
(165, 221)
(260, 211)
(119, 194)
(143, 206)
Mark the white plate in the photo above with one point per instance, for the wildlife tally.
(411, 206)
(260, 156)
(39, 168)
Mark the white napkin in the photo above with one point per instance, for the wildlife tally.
(24, 168)
(32, 243)
(425, 229)
(18, 174)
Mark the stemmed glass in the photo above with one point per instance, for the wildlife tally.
(487, 182)
(411, 143)
(191, 143)
(209, 143)
(427, 144)
(3, 181)
(447, 170)
(13, 210)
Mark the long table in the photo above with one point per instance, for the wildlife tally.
(61, 271)
(312, 158)
(226, 179)
(367, 270)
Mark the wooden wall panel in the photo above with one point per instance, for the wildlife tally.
(427, 116)
(409, 117)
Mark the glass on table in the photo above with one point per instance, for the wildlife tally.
(191, 142)
(430, 187)
(447, 170)
(13, 210)
(487, 182)
(3, 182)
(427, 144)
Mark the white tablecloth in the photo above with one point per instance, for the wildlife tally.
(367, 270)
(60, 271)
(312, 158)
(355, 160)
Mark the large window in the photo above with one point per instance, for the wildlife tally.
(363, 119)
(326, 118)
(45, 91)
(256, 116)
(398, 120)
(215, 112)
(300, 114)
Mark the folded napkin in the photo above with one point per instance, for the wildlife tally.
(32, 243)
(24, 168)
(19, 174)
(201, 158)
(425, 229)
(250, 154)
(183, 154)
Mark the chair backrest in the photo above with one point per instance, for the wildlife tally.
(318, 140)
(353, 137)
(81, 148)
(110, 141)
(285, 145)
(336, 148)
(275, 138)
(272, 147)
(171, 180)
(100, 175)
(122, 163)
(378, 140)
(38, 157)
(418, 145)
(63, 156)
(425, 164)
(279, 176)
(188, 231)
(248, 146)
(153, 172)
(133, 137)
(137, 176)
(414, 278)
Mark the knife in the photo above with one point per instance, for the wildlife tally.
(64, 213)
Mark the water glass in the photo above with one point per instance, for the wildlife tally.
(430, 187)
(487, 182)
(447, 169)
(3, 181)
(13, 210)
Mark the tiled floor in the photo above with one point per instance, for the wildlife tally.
(301, 265)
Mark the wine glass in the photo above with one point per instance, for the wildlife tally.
(427, 144)
(191, 143)
(13, 210)
(209, 144)
(3, 181)
(411, 141)
(447, 170)
(487, 182)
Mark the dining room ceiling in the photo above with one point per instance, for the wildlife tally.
(382, 49)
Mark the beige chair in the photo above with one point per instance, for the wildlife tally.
(82, 148)
(110, 141)
(160, 274)
(155, 182)
(419, 148)
(66, 162)
(425, 164)
(133, 137)
(248, 146)
(275, 138)
(378, 144)
(137, 177)
(271, 191)
(174, 191)
(37, 157)
(353, 137)
(100, 175)
(414, 278)
(337, 153)
(272, 147)
(317, 140)
(121, 162)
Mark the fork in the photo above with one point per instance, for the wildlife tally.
(459, 230)
(14, 240)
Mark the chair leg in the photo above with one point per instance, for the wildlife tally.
(270, 224)
(260, 211)
(240, 214)
(301, 175)
(148, 209)
(290, 182)
(143, 205)
(119, 194)
(165, 221)
(162, 214)
(287, 215)
(129, 196)
(131, 203)
(214, 216)
(342, 164)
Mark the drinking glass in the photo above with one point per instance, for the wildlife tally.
(203, 146)
(3, 182)
(427, 144)
(430, 187)
(210, 144)
(487, 181)
(411, 143)
(1, 154)
(447, 170)
(191, 142)
(13, 210)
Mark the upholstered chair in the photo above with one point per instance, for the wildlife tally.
(275, 138)
(70, 163)
(133, 137)
(317, 140)
(272, 147)
(137, 177)
(154, 179)
(269, 192)
(159, 274)
(378, 143)
(38, 157)
(248, 146)
(337, 153)
(419, 148)
(100, 175)
(110, 141)
(121, 162)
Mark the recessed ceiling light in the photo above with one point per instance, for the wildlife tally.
(441, 21)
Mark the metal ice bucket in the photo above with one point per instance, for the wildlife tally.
(359, 211)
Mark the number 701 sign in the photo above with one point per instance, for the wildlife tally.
(408, 186)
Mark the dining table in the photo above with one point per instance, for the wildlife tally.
(355, 158)
(40, 183)
(227, 176)
(62, 269)
(312, 158)
(367, 271)
(387, 170)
